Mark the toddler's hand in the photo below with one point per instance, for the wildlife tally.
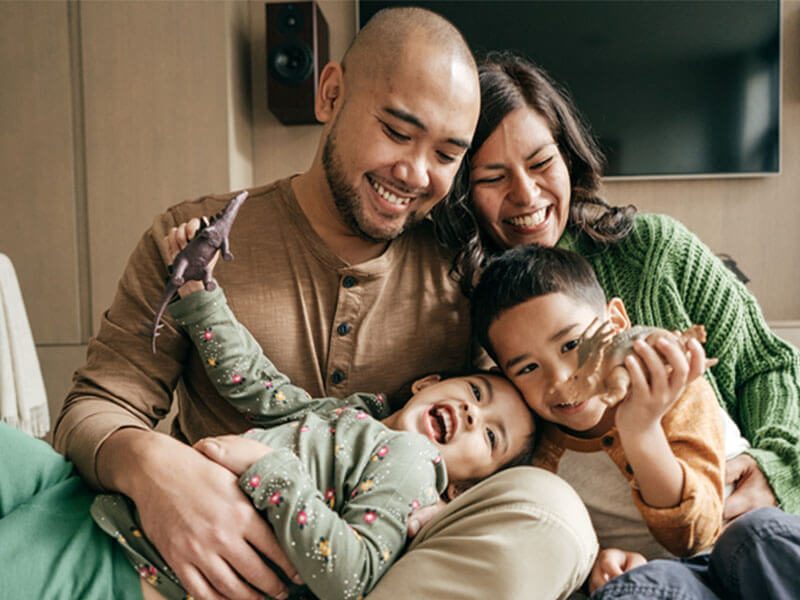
(610, 563)
(176, 240)
(659, 372)
(233, 452)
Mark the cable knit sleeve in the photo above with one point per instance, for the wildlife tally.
(758, 375)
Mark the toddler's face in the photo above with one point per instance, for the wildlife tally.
(479, 422)
(536, 343)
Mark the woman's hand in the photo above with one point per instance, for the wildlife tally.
(176, 240)
(610, 563)
(751, 488)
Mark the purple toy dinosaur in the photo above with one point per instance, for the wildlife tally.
(192, 263)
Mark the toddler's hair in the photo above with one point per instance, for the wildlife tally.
(527, 272)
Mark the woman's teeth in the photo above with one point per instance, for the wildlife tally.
(531, 220)
(387, 195)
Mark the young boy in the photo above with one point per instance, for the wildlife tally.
(650, 468)
(337, 479)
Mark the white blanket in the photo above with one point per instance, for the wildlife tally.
(23, 400)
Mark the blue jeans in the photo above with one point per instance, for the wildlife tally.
(757, 556)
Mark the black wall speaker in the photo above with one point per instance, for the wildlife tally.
(297, 49)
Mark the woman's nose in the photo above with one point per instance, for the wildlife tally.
(525, 190)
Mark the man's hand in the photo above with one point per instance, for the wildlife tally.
(420, 518)
(751, 488)
(194, 513)
(610, 563)
(233, 452)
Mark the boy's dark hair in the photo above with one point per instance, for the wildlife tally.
(526, 272)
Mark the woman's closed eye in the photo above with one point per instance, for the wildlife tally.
(541, 163)
(488, 179)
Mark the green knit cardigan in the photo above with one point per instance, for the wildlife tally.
(668, 278)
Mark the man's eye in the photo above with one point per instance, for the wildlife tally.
(396, 135)
(445, 158)
(570, 345)
(492, 438)
(529, 368)
(476, 391)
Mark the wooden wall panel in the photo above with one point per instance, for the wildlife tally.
(156, 102)
(37, 228)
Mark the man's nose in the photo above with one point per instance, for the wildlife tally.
(413, 171)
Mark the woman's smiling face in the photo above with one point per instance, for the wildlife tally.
(520, 182)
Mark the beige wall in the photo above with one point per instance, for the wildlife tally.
(112, 111)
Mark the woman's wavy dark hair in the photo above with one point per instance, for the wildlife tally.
(510, 81)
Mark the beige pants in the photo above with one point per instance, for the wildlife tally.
(522, 534)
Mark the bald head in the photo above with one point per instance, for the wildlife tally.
(388, 35)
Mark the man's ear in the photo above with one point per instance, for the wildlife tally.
(617, 315)
(421, 384)
(329, 91)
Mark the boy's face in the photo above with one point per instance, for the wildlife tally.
(535, 343)
(479, 422)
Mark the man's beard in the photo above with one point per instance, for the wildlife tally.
(348, 201)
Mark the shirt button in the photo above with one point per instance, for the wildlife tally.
(343, 328)
(337, 377)
(349, 281)
(608, 441)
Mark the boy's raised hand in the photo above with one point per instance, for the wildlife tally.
(176, 240)
(610, 563)
(659, 372)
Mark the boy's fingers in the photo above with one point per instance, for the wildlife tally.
(697, 359)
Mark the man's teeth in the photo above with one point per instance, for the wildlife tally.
(531, 220)
(389, 196)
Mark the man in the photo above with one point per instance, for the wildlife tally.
(338, 285)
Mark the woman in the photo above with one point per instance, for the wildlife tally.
(534, 178)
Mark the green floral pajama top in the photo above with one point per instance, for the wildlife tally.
(337, 488)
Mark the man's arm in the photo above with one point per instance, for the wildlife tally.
(104, 427)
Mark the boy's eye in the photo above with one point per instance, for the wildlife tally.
(492, 438)
(476, 391)
(529, 368)
(570, 345)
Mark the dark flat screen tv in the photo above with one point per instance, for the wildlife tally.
(670, 87)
